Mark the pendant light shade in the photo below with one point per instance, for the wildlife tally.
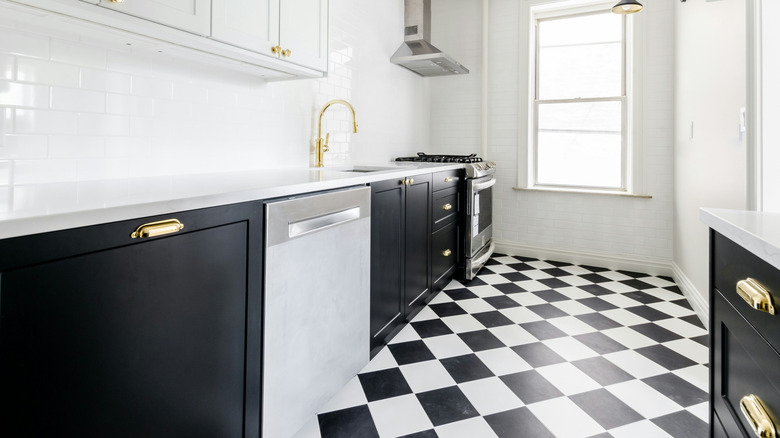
(627, 7)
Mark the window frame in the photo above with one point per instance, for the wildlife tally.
(533, 11)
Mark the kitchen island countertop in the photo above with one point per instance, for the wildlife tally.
(758, 232)
(38, 208)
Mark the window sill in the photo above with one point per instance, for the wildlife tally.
(583, 192)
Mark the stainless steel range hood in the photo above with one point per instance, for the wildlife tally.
(417, 53)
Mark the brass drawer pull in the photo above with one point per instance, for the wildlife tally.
(757, 416)
(446, 253)
(448, 179)
(756, 295)
(286, 53)
(276, 50)
(159, 228)
(447, 207)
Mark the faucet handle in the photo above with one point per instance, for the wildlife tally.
(325, 147)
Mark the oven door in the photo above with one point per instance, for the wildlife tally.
(479, 213)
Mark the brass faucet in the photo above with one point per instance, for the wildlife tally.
(322, 145)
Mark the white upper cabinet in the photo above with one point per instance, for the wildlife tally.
(295, 31)
(190, 15)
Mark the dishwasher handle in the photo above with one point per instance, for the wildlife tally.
(318, 223)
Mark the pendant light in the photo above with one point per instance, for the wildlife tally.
(627, 7)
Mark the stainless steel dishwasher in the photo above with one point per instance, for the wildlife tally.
(316, 303)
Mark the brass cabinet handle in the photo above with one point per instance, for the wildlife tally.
(447, 207)
(411, 181)
(446, 253)
(117, 1)
(405, 181)
(756, 295)
(159, 228)
(757, 416)
(448, 179)
(275, 49)
(286, 52)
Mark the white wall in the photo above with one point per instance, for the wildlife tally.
(771, 105)
(709, 168)
(77, 106)
(609, 226)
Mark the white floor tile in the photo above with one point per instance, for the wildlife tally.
(664, 294)
(571, 325)
(690, 349)
(520, 315)
(447, 346)
(682, 328)
(540, 264)
(570, 348)
(493, 279)
(624, 317)
(512, 335)
(426, 376)
(503, 361)
(565, 419)
(501, 269)
(351, 395)
(572, 307)
(490, 396)
(532, 285)
(454, 284)
(471, 428)
(536, 275)
(425, 314)
(574, 280)
(671, 309)
(382, 361)
(441, 298)
(629, 337)
(568, 378)
(507, 260)
(696, 375)
(620, 301)
(407, 334)
(635, 364)
(462, 323)
(527, 299)
(576, 270)
(614, 275)
(640, 429)
(642, 398)
(399, 416)
(485, 291)
(701, 411)
(475, 305)
(574, 293)
(309, 430)
(656, 281)
(614, 286)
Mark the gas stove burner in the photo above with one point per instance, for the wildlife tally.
(422, 157)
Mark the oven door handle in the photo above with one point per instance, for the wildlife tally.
(476, 188)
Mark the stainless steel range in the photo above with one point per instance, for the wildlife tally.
(477, 236)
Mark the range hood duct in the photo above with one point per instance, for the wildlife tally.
(417, 53)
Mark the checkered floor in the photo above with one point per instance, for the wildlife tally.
(535, 349)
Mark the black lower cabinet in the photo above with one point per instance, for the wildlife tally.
(104, 335)
(400, 254)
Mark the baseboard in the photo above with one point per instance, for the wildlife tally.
(698, 301)
(651, 266)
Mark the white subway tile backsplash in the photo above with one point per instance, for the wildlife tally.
(152, 87)
(47, 72)
(76, 146)
(24, 147)
(129, 105)
(74, 99)
(15, 42)
(72, 52)
(29, 95)
(103, 124)
(45, 122)
(6, 169)
(101, 80)
(7, 66)
(44, 171)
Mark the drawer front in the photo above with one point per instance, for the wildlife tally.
(743, 364)
(446, 205)
(447, 179)
(445, 251)
(733, 263)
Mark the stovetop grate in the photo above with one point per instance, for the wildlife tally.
(423, 157)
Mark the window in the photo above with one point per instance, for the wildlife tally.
(581, 132)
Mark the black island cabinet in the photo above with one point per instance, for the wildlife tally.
(104, 334)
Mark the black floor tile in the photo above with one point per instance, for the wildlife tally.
(515, 276)
(551, 296)
(665, 357)
(677, 389)
(446, 405)
(594, 268)
(595, 278)
(547, 311)
(638, 284)
(693, 319)
(509, 288)
(350, 422)
(648, 313)
(466, 368)
(476, 281)
(632, 274)
(481, 340)
(557, 263)
(517, 423)
(642, 297)
(524, 259)
(605, 408)
(674, 289)
(502, 302)
(703, 340)
(530, 386)
(543, 330)
(555, 272)
(492, 319)
(604, 372)
(430, 328)
(600, 343)
(410, 352)
(553, 283)
(537, 354)
(597, 304)
(447, 309)
(379, 385)
(682, 424)
(521, 267)
(656, 332)
(460, 294)
(598, 321)
(430, 433)
(595, 289)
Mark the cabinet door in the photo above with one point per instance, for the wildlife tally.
(190, 15)
(303, 30)
(387, 254)
(249, 24)
(417, 254)
(148, 338)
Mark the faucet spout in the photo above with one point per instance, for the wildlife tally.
(322, 145)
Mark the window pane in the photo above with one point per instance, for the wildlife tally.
(580, 144)
(580, 57)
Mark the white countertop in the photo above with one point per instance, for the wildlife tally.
(758, 232)
(32, 209)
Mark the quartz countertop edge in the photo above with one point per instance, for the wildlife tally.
(39, 208)
(758, 232)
